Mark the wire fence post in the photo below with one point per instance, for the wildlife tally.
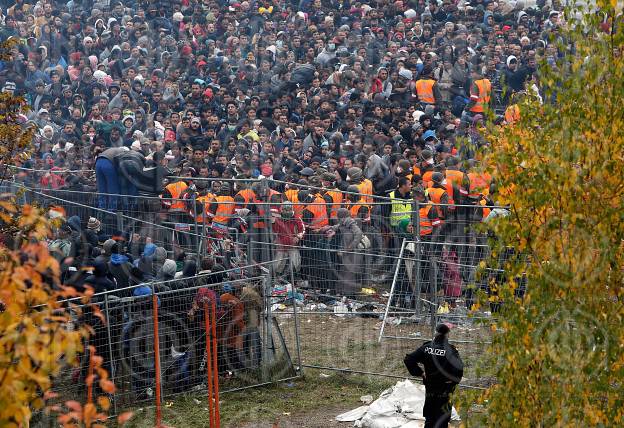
(157, 372)
(209, 370)
(417, 255)
(119, 216)
(394, 281)
(110, 348)
(294, 300)
(267, 328)
(197, 238)
(215, 366)
(266, 256)
(434, 297)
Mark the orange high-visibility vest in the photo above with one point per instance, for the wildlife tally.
(355, 208)
(204, 215)
(318, 209)
(337, 197)
(450, 191)
(424, 90)
(293, 196)
(366, 189)
(485, 88)
(427, 224)
(428, 175)
(416, 170)
(435, 194)
(176, 190)
(456, 177)
(225, 209)
(479, 184)
(261, 208)
(248, 195)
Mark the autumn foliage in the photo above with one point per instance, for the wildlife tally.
(40, 337)
(557, 351)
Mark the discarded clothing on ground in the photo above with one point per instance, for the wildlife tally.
(397, 407)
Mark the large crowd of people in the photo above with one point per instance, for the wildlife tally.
(352, 113)
(314, 137)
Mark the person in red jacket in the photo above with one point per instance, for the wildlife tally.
(288, 230)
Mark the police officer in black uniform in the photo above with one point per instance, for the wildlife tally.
(443, 370)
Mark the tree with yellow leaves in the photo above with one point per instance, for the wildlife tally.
(38, 336)
(558, 349)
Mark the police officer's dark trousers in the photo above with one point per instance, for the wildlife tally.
(437, 410)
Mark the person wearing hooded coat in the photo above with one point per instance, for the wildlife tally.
(120, 268)
(167, 271)
(146, 262)
(158, 259)
(350, 258)
(78, 244)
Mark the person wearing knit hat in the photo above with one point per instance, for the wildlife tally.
(167, 271)
(442, 370)
(94, 224)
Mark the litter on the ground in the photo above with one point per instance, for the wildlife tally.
(366, 399)
(397, 407)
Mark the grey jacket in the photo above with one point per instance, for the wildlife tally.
(350, 234)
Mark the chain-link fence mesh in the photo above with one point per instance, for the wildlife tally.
(349, 294)
(251, 347)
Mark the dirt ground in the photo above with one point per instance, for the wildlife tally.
(325, 340)
(320, 418)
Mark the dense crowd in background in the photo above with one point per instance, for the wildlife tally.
(353, 112)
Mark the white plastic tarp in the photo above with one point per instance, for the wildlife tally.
(397, 407)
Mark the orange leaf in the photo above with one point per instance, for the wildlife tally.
(103, 402)
(124, 417)
(74, 405)
(48, 395)
(63, 419)
(98, 313)
(101, 417)
(107, 386)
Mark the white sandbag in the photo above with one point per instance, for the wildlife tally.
(373, 421)
(352, 415)
(397, 407)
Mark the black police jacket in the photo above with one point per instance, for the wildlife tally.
(443, 365)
